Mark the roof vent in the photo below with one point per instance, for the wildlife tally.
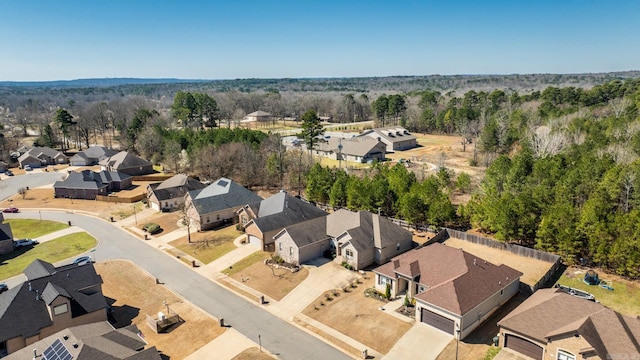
(475, 262)
(30, 288)
(75, 345)
(66, 337)
(37, 295)
(499, 282)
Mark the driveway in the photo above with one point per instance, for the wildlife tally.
(420, 342)
(278, 336)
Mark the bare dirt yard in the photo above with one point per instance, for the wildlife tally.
(133, 294)
(275, 283)
(208, 246)
(358, 316)
(253, 353)
(532, 269)
(167, 221)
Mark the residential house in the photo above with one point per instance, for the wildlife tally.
(356, 149)
(41, 156)
(50, 300)
(94, 341)
(217, 203)
(454, 291)
(169, 194)
(91, 156)
(6, 236)
(88, 184)
(264, 219)
(395, 137)
(259, 116)
(127, 163)
(552, 324)
(358, 238)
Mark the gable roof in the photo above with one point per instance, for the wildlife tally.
(365, 229)
(88, 179)
(5, 231)
(259, 113)
(307, 232)
(356, 146)
(281, 210)
(95, 341)
(23, 309)
(176, 186)
(221, 194)
(98, 152)
(454, 279)
(124, 160)
(41, 152)
(551, 313)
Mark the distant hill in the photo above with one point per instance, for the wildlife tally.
(103, 82)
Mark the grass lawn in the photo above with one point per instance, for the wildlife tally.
(358, 316)
(209, 245)
(243, 264)
(31, 228)
(625, 298)
(52, 251)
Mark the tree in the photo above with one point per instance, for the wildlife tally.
(47, 138)
(185, 108)
(64, 120)
(311, 129)
(207, 109)
(172, 150)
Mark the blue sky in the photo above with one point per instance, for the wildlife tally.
(64, 39)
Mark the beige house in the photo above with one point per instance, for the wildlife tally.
(394, 137)
(454, 290)
(554, 325)
(52, 299)
(259, 116)
(217, 203)
(356, 149)
(169, 194)
(264, 219)
(358, 238)
(127, 163)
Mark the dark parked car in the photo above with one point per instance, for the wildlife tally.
(3, 288)
(11, 209)
(8, 173)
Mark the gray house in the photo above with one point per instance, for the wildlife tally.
(91, 156)
(6, 236)
(395, 137)
(264, 219)
(217, 204)
(358, 238)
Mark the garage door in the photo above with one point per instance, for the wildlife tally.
(524, 347)
(437, 321)
(255, 241)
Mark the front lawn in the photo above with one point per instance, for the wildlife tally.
(33, 228)
(209, 245)
(59, 249)
(275, 283)
(625, 298)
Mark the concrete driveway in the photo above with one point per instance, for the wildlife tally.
(420, 342)
(326, 275)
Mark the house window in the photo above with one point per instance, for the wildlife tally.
(290, 251)
(60, 309)
(398, 247)
(207, 219)
(501, 292)
(349, 254)
(218, 217)
(565, 355)
(279, 246)
(383, 280)
(244, 220)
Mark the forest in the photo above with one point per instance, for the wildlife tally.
(560, 162)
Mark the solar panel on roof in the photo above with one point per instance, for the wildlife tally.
(57, 351)
(223, 183)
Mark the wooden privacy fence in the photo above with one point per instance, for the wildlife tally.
(153, 177)
(115, 199)
(512, 248)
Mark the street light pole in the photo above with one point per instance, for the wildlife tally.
(260, 342)
(134, 214)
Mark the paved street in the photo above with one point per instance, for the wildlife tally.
(10, 185)
(278, 337)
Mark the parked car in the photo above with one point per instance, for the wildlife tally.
(8, 173)
(3, 288)
(82, 260)
(27, 168)
(24, 242)
(11, 209)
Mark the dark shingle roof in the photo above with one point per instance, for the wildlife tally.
(176, 186)
(308, 232)
(98, 152)
(88, 179)
(23, 312)
(124, 160)
(221, 194)
(5, 232)
(367, 230)
(282, 210)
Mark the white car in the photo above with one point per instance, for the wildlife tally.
(27, 168)
(24, 242)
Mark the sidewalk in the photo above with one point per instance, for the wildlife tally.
(59, 233)
(225, 347)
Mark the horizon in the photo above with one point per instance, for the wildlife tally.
(332, 39)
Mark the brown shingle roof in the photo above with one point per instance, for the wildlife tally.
(551, 313)
(454, 280)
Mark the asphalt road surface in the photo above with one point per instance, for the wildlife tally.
(278, 336)
(10, 185)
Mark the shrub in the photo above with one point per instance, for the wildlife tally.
(346, 265)
(407, 302)
(277, 259)
(387, 292)
(153, 228)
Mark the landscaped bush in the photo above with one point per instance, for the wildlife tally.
(346, 265)
(152, 228)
